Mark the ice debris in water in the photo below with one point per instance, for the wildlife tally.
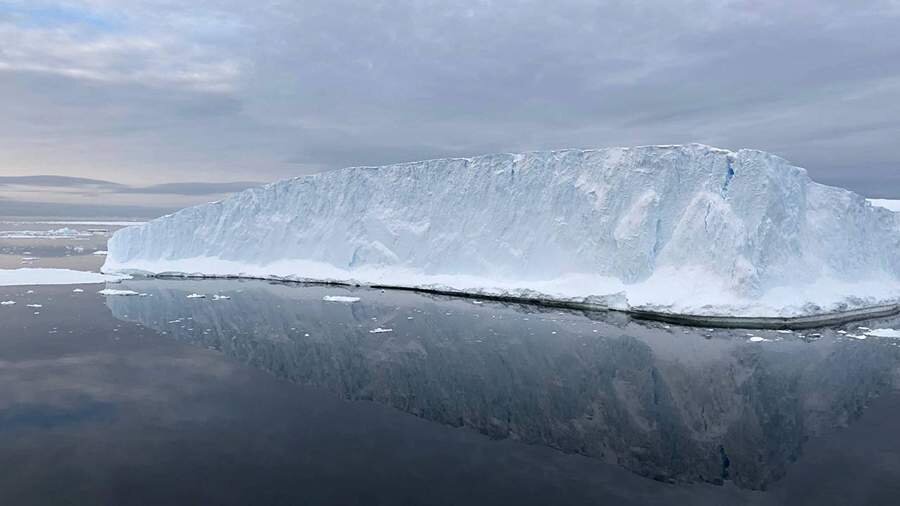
(220, 297)
(77, 290)
(196, 296)
(892, 333)
(379, 330)
(113, 291)
(7, 303)
(339, 298)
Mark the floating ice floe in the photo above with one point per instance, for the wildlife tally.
(40, 276)
(757, 339)
(380, 330)
(77, 290)
(100, 252)
(59, 233)
(893, 333)
(34, 305)
(113, 291)
(221, 297)
(7, 303)
(196, 296)
(340, 298)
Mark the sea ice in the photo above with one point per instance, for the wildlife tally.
(37, 276)
(339, 298)
(112, 291)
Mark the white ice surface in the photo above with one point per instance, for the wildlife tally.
(893, 205)
(60, 233)
(98, 223)
(29, 276)
(884, 333)
(113, 291)
(685, 229)
(339, 298)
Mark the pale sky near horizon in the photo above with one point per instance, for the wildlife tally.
(140, 94)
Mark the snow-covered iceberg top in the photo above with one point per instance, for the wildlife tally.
(687, 229)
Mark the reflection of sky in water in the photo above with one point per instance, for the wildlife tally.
(101, 402)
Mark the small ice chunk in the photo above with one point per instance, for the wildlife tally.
(893, 333)
(101, 252)
(757, 339)
(380, 330)
(339, 298)
(77, 290)
(220, 297)
(856, 336)
(7, 303)
(196, 296)
(113, 291)
(33, 305)
(785, 331)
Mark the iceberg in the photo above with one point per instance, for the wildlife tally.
(687, 229)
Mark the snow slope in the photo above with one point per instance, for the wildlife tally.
(689, 229)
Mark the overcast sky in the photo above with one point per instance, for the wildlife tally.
(143, 93)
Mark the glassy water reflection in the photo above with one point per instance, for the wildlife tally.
(679, 406)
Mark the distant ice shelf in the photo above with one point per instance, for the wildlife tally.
(28, 276)
(681, 229)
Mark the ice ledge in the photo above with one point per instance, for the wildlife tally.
(659, 297)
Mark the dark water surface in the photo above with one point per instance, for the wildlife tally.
(275, 396)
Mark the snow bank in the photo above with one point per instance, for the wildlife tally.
(686, 229)
(15, 277)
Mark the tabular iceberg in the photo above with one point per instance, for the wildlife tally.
(685, 229)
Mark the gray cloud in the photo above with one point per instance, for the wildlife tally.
(58, 182)
(44, 195)
(157, 92)
(193, 188)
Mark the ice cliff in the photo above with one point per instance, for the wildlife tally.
(681, 228)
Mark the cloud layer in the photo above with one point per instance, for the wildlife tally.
(155, 92)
